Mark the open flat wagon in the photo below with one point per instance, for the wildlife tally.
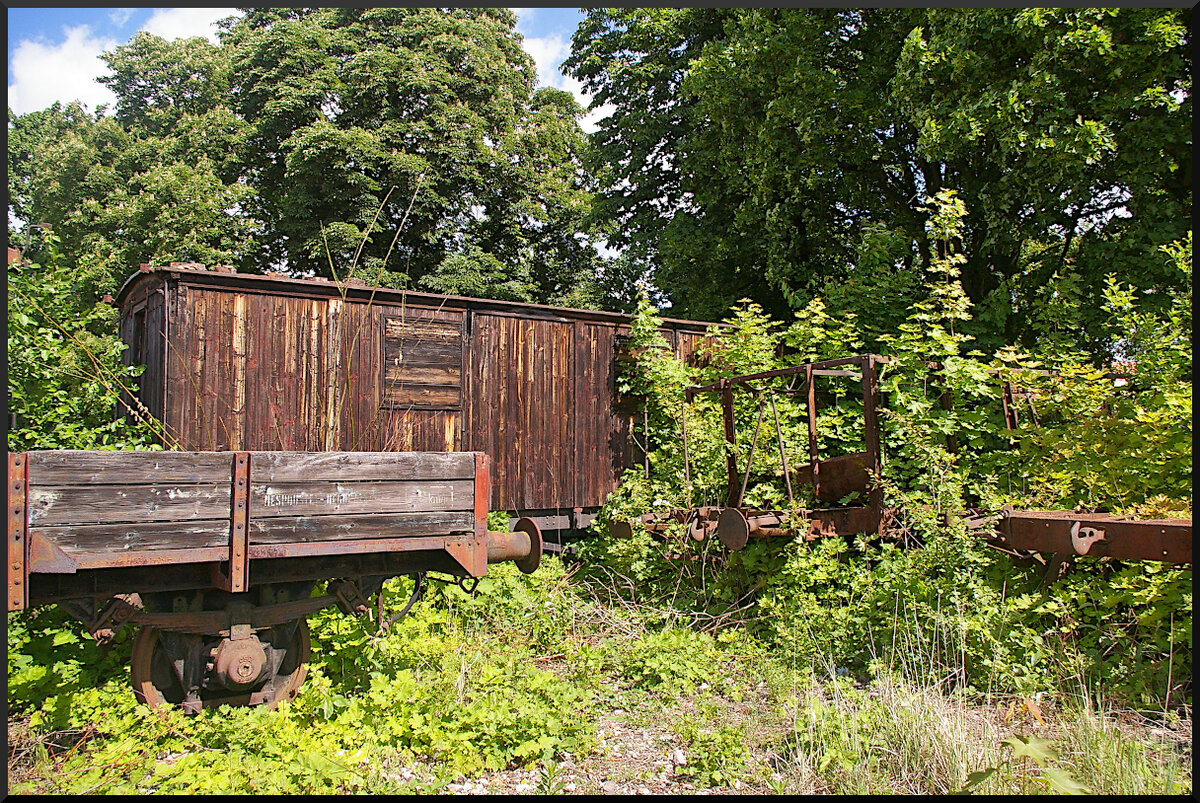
(216, 555)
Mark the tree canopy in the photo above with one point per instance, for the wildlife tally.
(784, 153)
(406, 145)
(779, 155)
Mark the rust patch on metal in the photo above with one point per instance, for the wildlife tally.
(46, 556)
(18, 585)
(239, 517)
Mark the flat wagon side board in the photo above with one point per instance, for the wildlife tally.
(79, 510)
(337, 495)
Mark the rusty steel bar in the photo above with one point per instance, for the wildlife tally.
(735, 527)
(816, 366)
(483, 490)
(815, 465)
(460, 543)
(1096, 535)
(872, 443)
(687, 466)
(1007, 405)
(730, 438)
(18, 580)
(750, 457)
(239, 505)
(523, 546)
(787, 479)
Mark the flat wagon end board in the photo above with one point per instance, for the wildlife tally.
(73, 511)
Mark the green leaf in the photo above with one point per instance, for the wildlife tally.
(1034, 747)
(1062, 782)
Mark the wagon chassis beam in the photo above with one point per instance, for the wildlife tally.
(1070, 534)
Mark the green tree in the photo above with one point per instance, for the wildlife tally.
(158, 81)
(155, 182)
(763, 152)
(408, 142)
(116, 199)
(65, 374)
(406, 145)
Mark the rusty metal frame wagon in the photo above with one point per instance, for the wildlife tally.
(1063, 535)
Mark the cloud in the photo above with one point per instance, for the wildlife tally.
(42, 74)
(184, 23)
(120, 16)
(548, 54)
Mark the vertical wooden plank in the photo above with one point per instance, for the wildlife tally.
(502, 460)
(177, 344)
(332, 352)
(464, 425)
(221, 371)
(151, 380)
(237, 412)
(200, 437)
(18, 585)
(579, 418)
(312, 401)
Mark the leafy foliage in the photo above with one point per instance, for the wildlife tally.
(782, 154)
(372, 703)
(405, 146)
(65, 374)
(952, 608)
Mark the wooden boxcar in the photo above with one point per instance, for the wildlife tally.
(267, 362)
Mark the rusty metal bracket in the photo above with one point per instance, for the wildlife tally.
(18, 586)
(476, 560)
(1094, 535)
(417, 592)
(730, 440)
(237, 580)
(1082, 538)
(115, 615)
(350, 599)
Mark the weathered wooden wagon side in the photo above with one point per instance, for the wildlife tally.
(240, 361)
(216, 554)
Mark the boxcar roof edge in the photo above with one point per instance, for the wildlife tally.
(364, 292)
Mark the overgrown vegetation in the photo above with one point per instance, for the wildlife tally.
(993, 625)
(923, 662)
(67, 385)
(478, 687)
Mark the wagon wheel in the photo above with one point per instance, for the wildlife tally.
(155, 681)
(180, 669)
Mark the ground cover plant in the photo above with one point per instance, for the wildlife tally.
(1000, 192)
(921, 663)
(596, 696)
